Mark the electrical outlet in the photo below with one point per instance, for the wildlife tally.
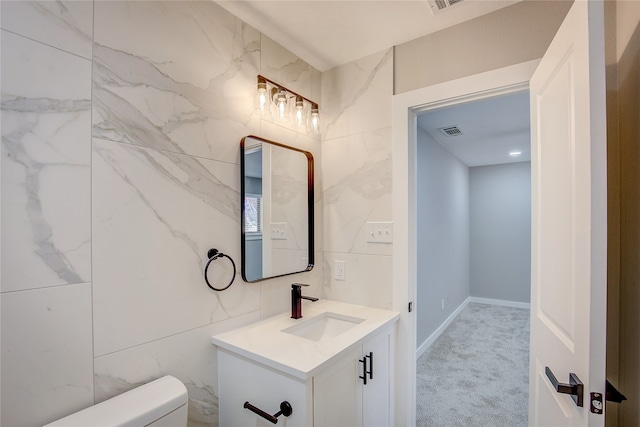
(340, 270)
(380, 232)
(278, 231)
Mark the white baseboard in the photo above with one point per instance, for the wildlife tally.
(505, 303)
(427, 343)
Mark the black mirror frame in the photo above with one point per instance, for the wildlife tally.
(310, 207)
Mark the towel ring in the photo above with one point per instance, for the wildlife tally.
(213, 255)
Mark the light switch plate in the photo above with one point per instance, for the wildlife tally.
(278, 231)
(380, 232)
(340, 270)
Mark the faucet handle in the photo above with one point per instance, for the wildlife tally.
(298, 284)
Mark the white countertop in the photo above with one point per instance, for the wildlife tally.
(264, 342)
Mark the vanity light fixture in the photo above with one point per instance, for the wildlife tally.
(515, 153)
(286, 106)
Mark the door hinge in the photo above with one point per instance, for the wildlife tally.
(410, 307)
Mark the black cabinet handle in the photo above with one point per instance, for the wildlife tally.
(285, 409)
(366, 371)
(363, 377)
(574, 388)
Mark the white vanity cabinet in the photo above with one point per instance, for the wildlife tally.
(317, 364)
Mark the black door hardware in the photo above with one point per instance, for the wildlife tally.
(575, 387)
(366, 371)
(596, 403)
(285, 409)
(613, 395)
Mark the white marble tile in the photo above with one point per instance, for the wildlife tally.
(190, 94)
(274, 132)
(356, 174)
(285, 68)
(368, 281)
(356, 97)
(46, 119)
(67, 25)
(47, 360)
(188, 356)
(155, 215)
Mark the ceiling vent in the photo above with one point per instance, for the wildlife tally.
(438, 5)
(451, 131)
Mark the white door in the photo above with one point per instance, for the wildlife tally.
(568, 147)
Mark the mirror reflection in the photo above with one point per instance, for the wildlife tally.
(277, 209)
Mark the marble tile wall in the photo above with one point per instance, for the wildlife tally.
(46, 335)
(120, 168)
(356, 174)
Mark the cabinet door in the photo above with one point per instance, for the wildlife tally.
(376, 398)
(337, 393)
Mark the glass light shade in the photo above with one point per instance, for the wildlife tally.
(281, 112)
(262, 97)
(299, 113)
(314, 120)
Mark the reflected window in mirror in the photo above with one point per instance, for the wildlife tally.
(277, 209)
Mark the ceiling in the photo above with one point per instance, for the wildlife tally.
(492, 128)
(328, 33)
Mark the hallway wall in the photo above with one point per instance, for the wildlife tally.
(500, 256)
(442, 235)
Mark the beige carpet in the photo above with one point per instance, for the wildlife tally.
(477, 372)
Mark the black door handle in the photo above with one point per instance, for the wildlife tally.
(575, 387)
(613, 395)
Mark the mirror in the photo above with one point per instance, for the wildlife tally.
(277, 209)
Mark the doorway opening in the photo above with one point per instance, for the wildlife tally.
(473, 231)
(406, 107)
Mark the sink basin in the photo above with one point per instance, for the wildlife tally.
(324, 326)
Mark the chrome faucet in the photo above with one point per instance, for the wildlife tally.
(296, 300)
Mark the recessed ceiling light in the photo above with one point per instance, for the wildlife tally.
(515, 153)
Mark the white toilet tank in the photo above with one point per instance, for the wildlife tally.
(160, 403)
